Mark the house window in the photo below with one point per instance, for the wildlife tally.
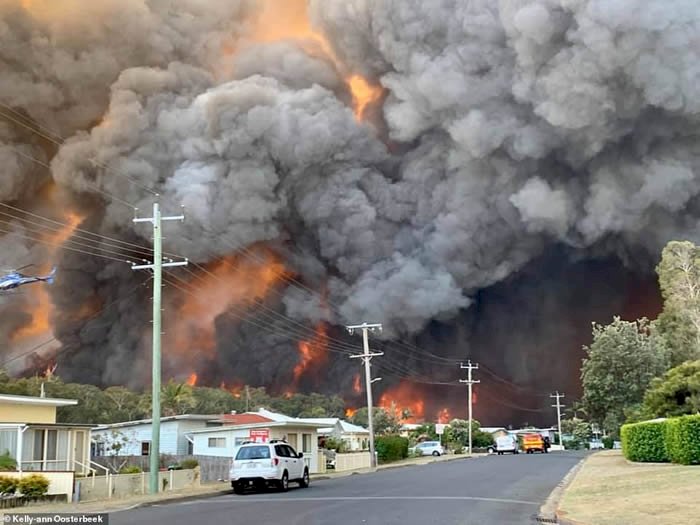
(145, 448)
(51, 442)
(217, 442)
(306, 443)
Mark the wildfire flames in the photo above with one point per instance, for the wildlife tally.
(444, 416)
(192, 379)
(232, 282)
(289, 19)
(403, 398)
(356, 387)
(314, 351)
(40, 307)
(349, 412)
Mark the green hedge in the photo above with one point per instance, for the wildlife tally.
(33, 486)
(645, 442)
(8, 485)
(683, 439)
(392, 448)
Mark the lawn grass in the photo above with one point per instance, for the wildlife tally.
(609, 490)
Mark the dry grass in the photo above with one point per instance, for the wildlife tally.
(610, 491)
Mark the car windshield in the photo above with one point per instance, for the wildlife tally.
(261, 452)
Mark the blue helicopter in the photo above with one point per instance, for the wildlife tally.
(15, 279)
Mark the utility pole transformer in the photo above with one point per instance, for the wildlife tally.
(157, 266)
(469, 381)
(558, 406)
(366, 357)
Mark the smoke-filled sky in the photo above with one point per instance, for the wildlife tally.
(512, 141)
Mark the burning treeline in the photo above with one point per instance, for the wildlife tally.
(439, 167)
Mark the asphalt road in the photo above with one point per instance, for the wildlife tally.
(493, 490)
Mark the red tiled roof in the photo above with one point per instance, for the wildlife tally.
(244, 419)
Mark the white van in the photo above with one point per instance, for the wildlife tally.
(508, 443)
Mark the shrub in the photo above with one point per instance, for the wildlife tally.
(645, 442)
(189, 463)
(392, 448)
(683, 439)
(7, 462)
(33, 486)
(482, 439)
(8, 485)
(608, 442)
(133, 469)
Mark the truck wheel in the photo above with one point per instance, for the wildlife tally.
(284, 482)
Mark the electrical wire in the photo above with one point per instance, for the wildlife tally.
(91, 318)
(91, 186)
(63, 247)
(60, 141)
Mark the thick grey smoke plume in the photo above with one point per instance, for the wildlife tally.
(514, 127)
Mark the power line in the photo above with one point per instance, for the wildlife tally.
(117, 243)
(60, 141)
(91, 186)
(92, 318)
(63, 247)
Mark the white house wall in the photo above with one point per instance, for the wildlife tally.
(136, 434)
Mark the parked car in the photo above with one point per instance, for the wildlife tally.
(258, 465)
(428, 448)
(507, 443)
(596, 444)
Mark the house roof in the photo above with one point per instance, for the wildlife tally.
(31, 400)
(491, 430)
(270, 424)
(243, 419)
(186, 417)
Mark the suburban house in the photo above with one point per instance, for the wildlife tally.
(261, 427)
(355, 437)
(133, 438)
(496, 432)
(31, 435)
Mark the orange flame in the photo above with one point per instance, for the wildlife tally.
(356, 387)
(232, 282)
(314, 351)
(48, 373)
(349, 412)
(474, 397)
(41, 307)
(192, 379)
(400, 398)
(363, 94)
(444, 416)
(289, 19)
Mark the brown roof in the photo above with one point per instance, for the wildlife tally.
(244, 419)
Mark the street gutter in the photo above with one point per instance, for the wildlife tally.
(549, 511)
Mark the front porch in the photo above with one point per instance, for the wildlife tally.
(47, 446)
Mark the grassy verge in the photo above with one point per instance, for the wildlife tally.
(610, 491)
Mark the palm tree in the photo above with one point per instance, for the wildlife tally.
(176, 398)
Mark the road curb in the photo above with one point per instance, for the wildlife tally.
(180, 499)
(549, 512)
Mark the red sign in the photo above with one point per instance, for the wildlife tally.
(260, 436)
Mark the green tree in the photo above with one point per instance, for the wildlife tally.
(621, 362)
(677, 393)
(214, 401)
(385, 421)
(125, 403)
(679, 280)
(176, 398)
